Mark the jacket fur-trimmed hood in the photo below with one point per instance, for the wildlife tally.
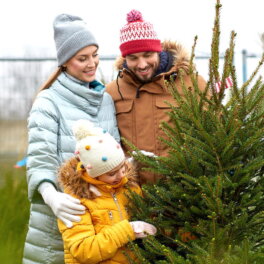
(72, 182)
(181, 56)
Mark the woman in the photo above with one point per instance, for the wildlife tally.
(72, 93)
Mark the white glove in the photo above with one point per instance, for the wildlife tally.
(64, 206)
(145, 153)
(143, 229)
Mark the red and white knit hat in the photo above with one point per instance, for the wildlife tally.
(138, 35)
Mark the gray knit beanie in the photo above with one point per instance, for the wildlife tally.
(71, 35)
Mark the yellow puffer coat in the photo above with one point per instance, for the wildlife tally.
(104, 230)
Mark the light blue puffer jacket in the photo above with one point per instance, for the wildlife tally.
(50, 143)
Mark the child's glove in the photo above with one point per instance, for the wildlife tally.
(64, 206)
(143, 229)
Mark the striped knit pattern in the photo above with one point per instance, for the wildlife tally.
(138, 35)
(137, 30)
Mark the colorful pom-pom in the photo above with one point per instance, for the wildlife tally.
(104, 158)
(87, 147)
(134, 15)
(77, 152)
(100, 140)
(89, 166)
(104, 131)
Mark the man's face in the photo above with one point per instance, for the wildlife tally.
(143, 64)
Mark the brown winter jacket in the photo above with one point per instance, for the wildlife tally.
(139, 117)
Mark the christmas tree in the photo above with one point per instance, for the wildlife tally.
(208, 207)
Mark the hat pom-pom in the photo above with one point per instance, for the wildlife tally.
(134, 15)
(82, 129)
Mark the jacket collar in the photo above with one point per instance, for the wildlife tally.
(72, 180)
(102, 185)
(87, 99)
(156, 86)
(180, 61)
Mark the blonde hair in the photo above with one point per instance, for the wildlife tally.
(51, 79)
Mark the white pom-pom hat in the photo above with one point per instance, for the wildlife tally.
(98, 151)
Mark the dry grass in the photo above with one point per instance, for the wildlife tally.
(13, 138)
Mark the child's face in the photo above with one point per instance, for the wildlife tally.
(114, 176)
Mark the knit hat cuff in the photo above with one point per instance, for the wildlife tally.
(141, 45)
(78, 41)
(101, 169)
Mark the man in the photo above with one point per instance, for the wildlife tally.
(140, 92)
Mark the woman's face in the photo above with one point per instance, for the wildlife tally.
(83, 64)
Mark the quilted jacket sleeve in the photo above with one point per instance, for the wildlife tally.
(43, 159)
(112, 126)
(88, 247)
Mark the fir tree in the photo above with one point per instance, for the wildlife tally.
(208, 207)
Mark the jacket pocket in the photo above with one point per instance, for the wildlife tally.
(162, 101)
(124, 116)
(102, 217)
(162, 110)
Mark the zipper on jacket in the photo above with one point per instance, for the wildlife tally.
(117, 205)
(138, 90)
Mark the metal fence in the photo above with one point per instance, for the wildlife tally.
(20, 79)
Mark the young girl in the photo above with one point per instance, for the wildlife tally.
(100, 177)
